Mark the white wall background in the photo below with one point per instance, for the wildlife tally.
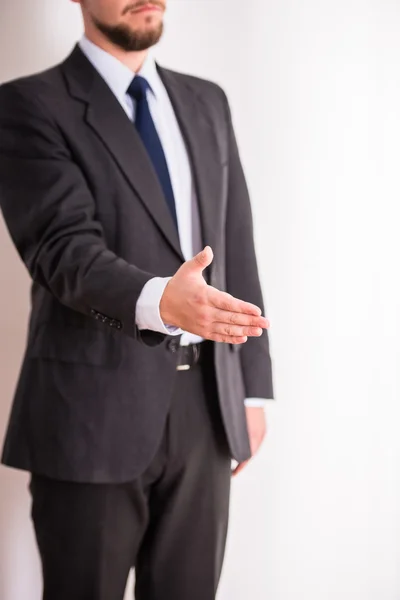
(315, 91)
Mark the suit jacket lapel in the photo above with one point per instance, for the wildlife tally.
(199, 134)
(107, 118)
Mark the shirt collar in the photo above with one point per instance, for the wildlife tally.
(117, 75)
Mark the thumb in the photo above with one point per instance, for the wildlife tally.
(201, 261)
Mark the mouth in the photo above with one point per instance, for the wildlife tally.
(147, 8)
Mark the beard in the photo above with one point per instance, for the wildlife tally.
(128, 39)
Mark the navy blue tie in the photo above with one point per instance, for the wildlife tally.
(148, 133)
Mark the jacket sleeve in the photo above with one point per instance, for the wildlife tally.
(51, 216)
(242, 276)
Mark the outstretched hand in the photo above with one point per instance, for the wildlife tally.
(190, 303)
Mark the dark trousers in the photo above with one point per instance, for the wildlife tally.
(170, 524)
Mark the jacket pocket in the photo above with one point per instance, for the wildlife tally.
(84, 345)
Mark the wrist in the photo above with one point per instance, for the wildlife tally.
(164, 308)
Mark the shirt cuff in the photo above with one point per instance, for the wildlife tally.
(255, 402)
(148, 307)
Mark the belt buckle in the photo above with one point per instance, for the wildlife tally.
(195, 354)
(183, 367)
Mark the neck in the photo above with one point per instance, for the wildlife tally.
(132, 60)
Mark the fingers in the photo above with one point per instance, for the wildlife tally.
(234, 318)
(226, 302)
(201, 261)
(233, 334)
(236, 330)
(236, 325)
(240, 468)
(227, 339)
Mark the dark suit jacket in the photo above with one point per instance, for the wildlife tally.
(85, 210)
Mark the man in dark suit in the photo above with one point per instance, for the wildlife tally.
(146, 366)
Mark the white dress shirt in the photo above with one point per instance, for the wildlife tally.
(118, 77)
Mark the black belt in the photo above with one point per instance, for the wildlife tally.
(191, 355)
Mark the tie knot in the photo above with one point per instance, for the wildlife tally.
(138, 88)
